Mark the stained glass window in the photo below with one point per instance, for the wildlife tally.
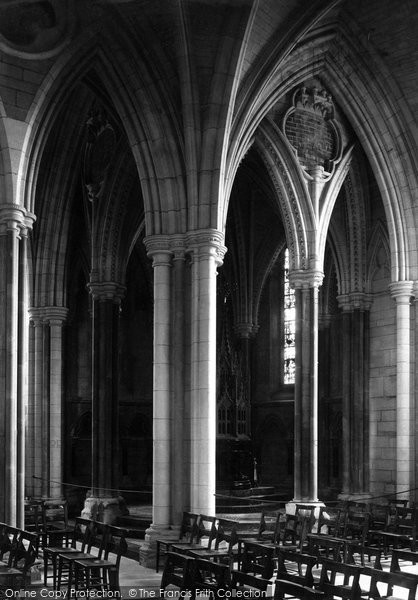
(289, 326)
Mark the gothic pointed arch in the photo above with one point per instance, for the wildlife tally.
(292, 195)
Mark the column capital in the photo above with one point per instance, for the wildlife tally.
(401, 291)
(246, 330)
(209, 242)
(14, 217)
(107, 290)
(354, 300)
(48, 314)
(309, 278)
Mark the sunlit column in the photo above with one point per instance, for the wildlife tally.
(401, 291)
(207, 253)
(306, 285)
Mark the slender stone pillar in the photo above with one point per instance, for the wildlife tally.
(178, 395)
(34, 437)
(306, 286)
(402, 291)
(9, 248)
(56, 317)
(158, 248)
(104, 502)
(13, 220)
(44, 439)
(207, 252)
(22, 377)
(355, 332)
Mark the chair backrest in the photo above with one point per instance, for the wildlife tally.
(33, 516)
(189, 527)
(226, 534)
(55, 514)
(306, 511)
(8, 541)
(116, 545)
(382, 584)
(25, 551)
(269, 525)
(257, 559)
(403, 561)
(379, 516)
(206, 530)
(357, 525)
(295, 566)
(179, 571)
(331, 520)
(296, 590)
(211, 576)
(340, 580)
(240, 580)
(324, 546)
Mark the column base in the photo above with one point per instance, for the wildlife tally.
(148, 550)
(104, 509)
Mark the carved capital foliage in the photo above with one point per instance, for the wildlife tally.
(305, 279)
(207, 242)
(107, 290)
(354, 300)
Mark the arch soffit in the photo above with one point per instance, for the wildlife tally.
(137, 115)
(292, 193)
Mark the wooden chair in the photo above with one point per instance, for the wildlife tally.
(384, 583)
(102, 573)
(179, 570)
(188, 534)
(66, 559)
(331, 521)
(339, 580)
(55, 526)
(400, 533)
(210, 576)
(257, 559)
(404, 561)
(226, 546)
(206, 534)
(355, 554)
(83, 533)
(22, 556)
(325, 546)
(295, 566)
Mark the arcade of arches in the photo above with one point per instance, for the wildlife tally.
(176, 179)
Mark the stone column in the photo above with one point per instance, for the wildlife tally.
(306, 285)
(158, 248)
(207, 253)
(405, 434)
(13, 221)
(355, 332)
(104, 502)
(56, 317)
(178, 467)
(44, 423)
